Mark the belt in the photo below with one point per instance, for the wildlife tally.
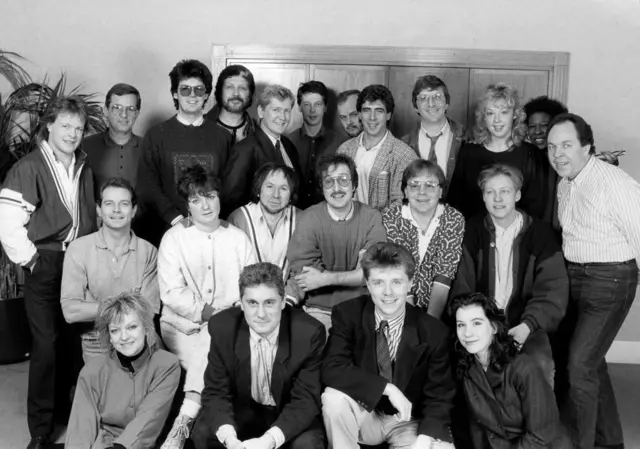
(602, 264)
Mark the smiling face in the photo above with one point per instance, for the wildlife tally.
(191, 104)
(204, 209)
(374, 118)
(262, 307)
(500, 197)
(275, 116)
(127, 335)
(423, 192)
(432, 105)
(122, 112)
(537, 129)
(313, 108)
(566, 155)
(337, 196)
(235, 94)
(65, 133)
(498, 118)
(116, 209)
(475, 332)
(275, 192)
(349, 116)
(389, 288)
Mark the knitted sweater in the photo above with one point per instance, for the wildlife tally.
(326, 244)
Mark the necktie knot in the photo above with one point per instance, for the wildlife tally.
(384, 325)
(435, 138)
(432, 150)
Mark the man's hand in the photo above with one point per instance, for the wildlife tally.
(233, 443)
(443, 445)
(520, 333)
(311, 279)
(266, 441)
(399, 401)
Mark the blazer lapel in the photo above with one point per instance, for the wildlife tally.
(279, 373)
(243, 369)
(485, 386)
(369, 354)
(268, 148)
(456, 143)
(410, 349)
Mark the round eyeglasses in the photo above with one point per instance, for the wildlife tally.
(118, 109)
(343, 181)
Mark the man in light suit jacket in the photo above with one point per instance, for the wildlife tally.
(262, 383)
(267, 144)
(379, 156)
(386, 364)
(437, 138)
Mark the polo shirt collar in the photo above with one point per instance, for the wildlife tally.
(102, 244)
(133, 142)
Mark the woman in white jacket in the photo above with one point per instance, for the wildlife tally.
(199, 263)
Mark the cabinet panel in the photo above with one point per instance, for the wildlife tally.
(338, 78)
(530, 84)
(288, 75)
(401, 81)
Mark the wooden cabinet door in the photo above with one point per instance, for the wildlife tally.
(530, 84)
(288, 75)
(401, 82)
(340, 77)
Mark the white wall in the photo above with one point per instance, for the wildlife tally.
(139, 41)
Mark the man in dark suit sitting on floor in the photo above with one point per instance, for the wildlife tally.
(262, 383)
(386, 364)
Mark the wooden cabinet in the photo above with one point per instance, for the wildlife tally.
(466, 73)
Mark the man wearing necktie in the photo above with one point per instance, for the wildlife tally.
(268, 144)
(262, 383)
(437, 138)
(386, 364)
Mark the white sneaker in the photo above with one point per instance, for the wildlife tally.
(179, 433)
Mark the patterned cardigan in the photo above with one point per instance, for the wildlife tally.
(385, 178)
(440, 262)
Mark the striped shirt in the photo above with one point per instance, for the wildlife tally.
(599, 211)
(266, 358)
(393, 332)
(505, 237)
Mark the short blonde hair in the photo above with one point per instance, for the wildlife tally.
(275, 91)
(114, 308)
(501, 169)
(508, 94)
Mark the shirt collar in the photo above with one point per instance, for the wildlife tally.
(393, 322)
(444, 130)
(334, 217)
(49, 151)
(285, 213)
(197, 122)
(102, 244)
(271, 138)
(133, 142)
(272, 338)
(303, 132)
(514, 227)
(584, 173)
(405, 212)
(377, 146)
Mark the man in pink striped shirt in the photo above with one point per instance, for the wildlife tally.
(599, 211)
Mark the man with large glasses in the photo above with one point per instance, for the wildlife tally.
(326, 247)
(186, 139)
(115, 153)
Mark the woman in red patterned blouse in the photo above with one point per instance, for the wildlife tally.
(431, 230)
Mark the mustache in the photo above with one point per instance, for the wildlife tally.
(235, 98)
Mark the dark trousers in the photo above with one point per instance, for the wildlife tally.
(253, 421)
(53, 352)
(602, 295)
(538, 347)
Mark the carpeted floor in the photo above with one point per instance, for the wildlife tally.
(14, 433)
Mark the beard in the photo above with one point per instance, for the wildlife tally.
(235, 107)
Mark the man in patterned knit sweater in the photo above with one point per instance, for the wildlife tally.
(186, 139)
(326, 247)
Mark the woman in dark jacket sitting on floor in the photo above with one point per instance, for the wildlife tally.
(511, 405)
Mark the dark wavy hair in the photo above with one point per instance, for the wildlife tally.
(230, 71)
(313, 87)
(197, 180)
(376, 92)
(261, 273)
(190, 68)
(271, 167)
(429, 82)
(585, 133)
(388, 255)
(335, 160)
(546, 105)
(503, 348)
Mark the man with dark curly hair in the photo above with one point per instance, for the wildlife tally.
(540, 111)
(186, 139)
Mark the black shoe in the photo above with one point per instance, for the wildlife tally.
(39, 443)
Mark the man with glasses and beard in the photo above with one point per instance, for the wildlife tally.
(325, 250)
(270, 219)
(186, 139)
(234, 95)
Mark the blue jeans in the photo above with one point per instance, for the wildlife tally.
(602, 296)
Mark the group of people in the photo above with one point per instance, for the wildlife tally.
(326, 287)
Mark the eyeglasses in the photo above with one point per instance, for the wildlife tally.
(343, 181)
(199, 91)
(437, 98)
(118, 109)
(416, 186)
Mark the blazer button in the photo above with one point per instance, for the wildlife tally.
(209, 291)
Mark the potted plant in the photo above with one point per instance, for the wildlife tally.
(20, 118)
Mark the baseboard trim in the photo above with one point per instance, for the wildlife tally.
(624, 352)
